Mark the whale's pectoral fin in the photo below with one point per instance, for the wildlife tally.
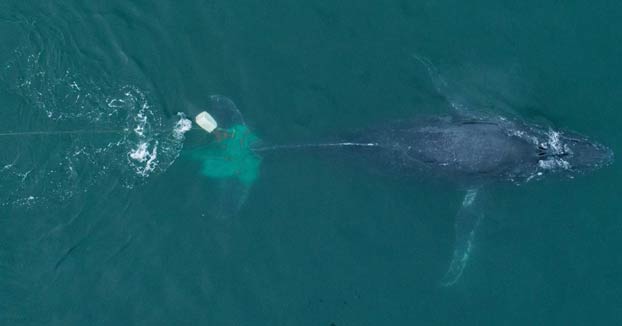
(467, 220)
(456, 96)
(439, 83)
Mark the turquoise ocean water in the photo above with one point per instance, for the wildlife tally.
(120, 228)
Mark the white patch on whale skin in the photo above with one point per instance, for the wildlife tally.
(523, 135)
(469, 197)
(550, 141)
(512, 131)
(554, 145)
(554, 164)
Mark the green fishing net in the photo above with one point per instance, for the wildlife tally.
(225, 158)
(230, 155)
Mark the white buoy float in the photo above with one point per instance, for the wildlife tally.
(206, 121)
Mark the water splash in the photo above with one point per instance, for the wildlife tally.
(40, 169)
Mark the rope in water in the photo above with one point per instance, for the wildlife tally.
(60, 132)
(68, 132)
(122, 131)
(321, 145)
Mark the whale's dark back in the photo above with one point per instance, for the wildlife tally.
(443, 146)
(467, 151)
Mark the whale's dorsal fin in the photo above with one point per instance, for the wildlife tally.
(467, 221)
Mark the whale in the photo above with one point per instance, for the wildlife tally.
(473, 152)
(472, 149)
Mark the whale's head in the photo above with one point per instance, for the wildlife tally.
(585, 154)
(572, 153)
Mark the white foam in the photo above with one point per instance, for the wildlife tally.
(74, 86)
(142, 154)
(141, 121)
(116, 103)
(181, 126)
(146, 146)
(26, 201)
